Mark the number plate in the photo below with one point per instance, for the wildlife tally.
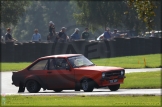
(113, 81)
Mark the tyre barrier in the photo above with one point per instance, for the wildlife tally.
(28, 51)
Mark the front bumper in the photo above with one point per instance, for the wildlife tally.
(116, 77)
(108, 80)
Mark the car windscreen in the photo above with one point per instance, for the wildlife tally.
(79, 61)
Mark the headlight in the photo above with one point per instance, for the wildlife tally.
(122, 73)
(103, 75)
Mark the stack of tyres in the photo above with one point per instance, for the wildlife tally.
(44, 49)
(50, 48)
(119, 45)
(91, 49)
(26, 52)
(127, 47)
(9, 52)
(31, 52)
(134, 46)
(148, 45)
(3, 52)
(141, 48)
(76, 47)
(156, 44)
(103, 49)
(18, 52)
(58, 48)
(38, 49)
(110, 48)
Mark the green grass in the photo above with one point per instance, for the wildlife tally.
(6, 66)
(112, 100)
(142, 80)
(151, 61)
(140, 61)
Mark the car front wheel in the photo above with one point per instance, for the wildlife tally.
(87, 85)
(33, 86)
(114, 87)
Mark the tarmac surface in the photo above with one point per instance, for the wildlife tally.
(8, 89)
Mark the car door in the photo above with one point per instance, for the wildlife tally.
(58, 74)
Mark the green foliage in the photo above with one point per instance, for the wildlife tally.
(95, 14)
(38, 15)
(12, 11)
(145, 10)
(25, 16)
(131, 14)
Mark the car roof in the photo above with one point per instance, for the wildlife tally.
(60, 56)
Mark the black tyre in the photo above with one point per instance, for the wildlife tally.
(87, 85)
(114, 87)
(33, 86)
(57, 90)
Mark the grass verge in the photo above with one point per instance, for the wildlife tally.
(142, 80)
(140, 61)
(112, 100)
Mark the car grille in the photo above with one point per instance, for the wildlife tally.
(114, 73)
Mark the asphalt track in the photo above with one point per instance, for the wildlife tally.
(8, 89)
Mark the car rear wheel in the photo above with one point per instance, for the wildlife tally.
(87, 85)
(33, 86)
(114, 87)
(57, 90)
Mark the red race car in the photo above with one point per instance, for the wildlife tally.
(67, 71)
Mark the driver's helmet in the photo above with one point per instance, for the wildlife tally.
(76, 62)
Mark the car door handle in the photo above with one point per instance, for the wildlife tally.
(49, 72)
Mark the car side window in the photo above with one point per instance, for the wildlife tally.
(40, 65)
(52, 64)
(61, 63)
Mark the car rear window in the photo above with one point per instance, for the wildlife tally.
(39, 65)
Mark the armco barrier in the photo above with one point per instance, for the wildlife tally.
(28, 52)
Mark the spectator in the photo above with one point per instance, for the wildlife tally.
(152, 33)
(107, 34)
(2, 39)
(85, 34)
(36, 36)
(8, 36)
(115, 34)
(62, 35)
(75, 35)
(50, 36)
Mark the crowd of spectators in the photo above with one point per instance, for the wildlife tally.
(62, 36)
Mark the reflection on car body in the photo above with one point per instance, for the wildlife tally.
(67, 71)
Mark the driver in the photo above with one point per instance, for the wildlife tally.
(76, 62)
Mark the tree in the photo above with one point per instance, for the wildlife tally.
(38, 14)
(145, 10)
(99, 13)
(12, 10)
(109, 13)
